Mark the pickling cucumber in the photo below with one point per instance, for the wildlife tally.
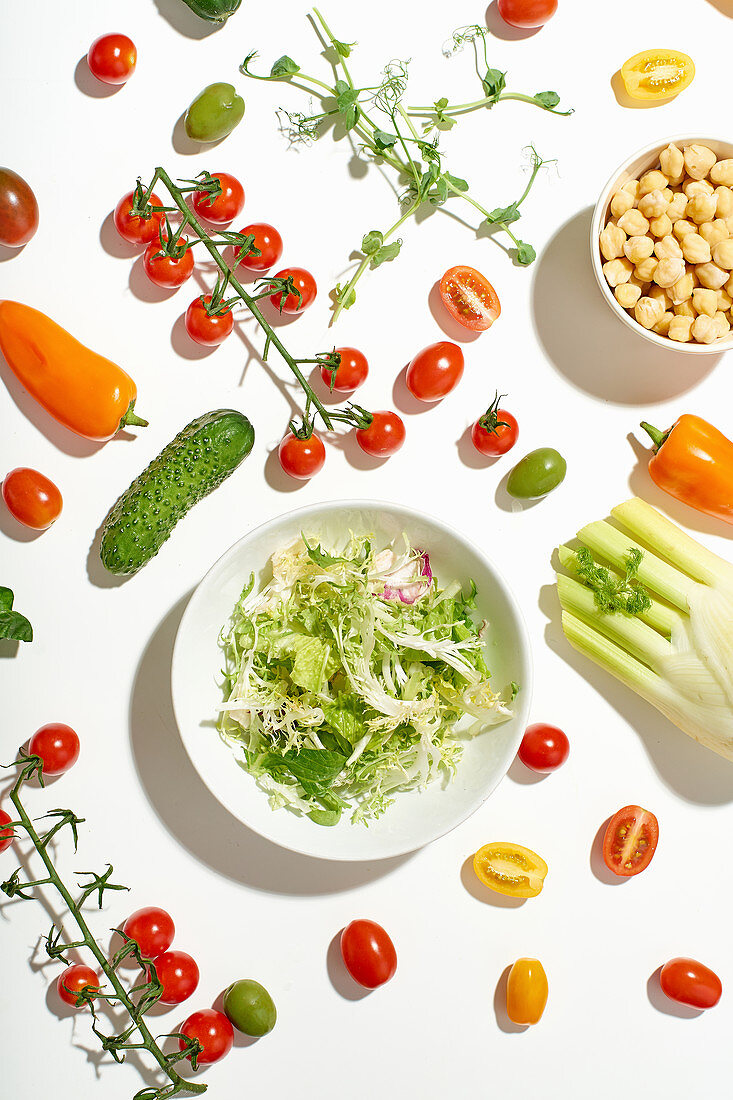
(193, 464)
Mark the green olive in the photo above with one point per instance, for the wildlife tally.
(250, 1007)
(214, 113)
(537, 474)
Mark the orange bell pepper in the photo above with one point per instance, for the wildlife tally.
(693, 462)
(85, 392)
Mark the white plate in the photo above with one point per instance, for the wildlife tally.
(415, 818)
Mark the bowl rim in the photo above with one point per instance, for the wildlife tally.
(523, 641)
(599, 212)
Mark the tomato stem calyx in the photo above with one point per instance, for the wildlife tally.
(490, 420)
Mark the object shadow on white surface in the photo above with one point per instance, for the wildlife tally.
(696, 774)
(587, 344)
(328, 397)
(355, 456)
(404, 400)
(339, 976)
(96, 572)
(115, 245)
(183, 20)
(524, 776)
(191, 813)
(485, 894)
(598, 863)
(451, 328)
(8, 253)
(87, 83)
(468, 454)
(144, 289)
(502, 1017)
(16, 530)
(659, 1000)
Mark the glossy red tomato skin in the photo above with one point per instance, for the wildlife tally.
(544, 748)
(168, 272)
(7, 836)
(304, 282)
(690, 983)
(301, 458)
(152, 929)
(131, 227)
(214, 1033)
(112, 58)
(32, 498)
(351, 372)
(634, 821)
(269, 242)
(499, 442)
(384, 436)
(470, 298)
(73, 980)
(225, 207)
(207, 329)
(58, 747)
(179, 975)
(18, 210)
(435, 371)
(526, 14)
(368, 953)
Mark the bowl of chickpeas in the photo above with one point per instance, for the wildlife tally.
(662, 244)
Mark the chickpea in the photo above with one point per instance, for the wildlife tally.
(653, 205)
(612, 242)
(652, 181)
(627, 294)
(634, 224)
(724, 301)
(668, 271)
(645, 270)
(682, 227)
(698, 161)
(722, 172)
(662, 325)
(648, 311)
(668, 194)
(659, 294)
(728, 288)
(700, 208)
(705, 301)
(637, 249)
(680, 329)
(632, 186)
(723, 254)
(725, 202)
(685, 309)
(696, 249)
(621, 202)
(668, 247)
(661, 226)
(672, 163)
(678, 205)
(617, 271)
(729, 224)
(682, 290)
(697, 187)
(704, 329)
(710, 276)
(714, 231)
(722, 323)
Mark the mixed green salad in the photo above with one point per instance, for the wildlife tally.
(352, 676)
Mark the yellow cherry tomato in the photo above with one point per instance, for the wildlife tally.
(510, 869)
(657, 74)
(526, 991)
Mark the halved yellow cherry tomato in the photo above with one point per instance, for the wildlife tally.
(657, 74)
(526, 991)
(510, 869)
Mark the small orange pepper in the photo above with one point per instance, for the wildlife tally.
(85, 392)
(693, 462)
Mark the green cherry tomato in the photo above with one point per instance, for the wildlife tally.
(214, 113)
(537, 474)
(250, 1007)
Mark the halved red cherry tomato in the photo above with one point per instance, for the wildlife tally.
(269, 242)
(135, 229)
(630, 841)
(224, 208)
(57, 745)
(152, 929)
(32, 498)
(383, 436)
(527, 13)
(350, 373)
(510, 869)
(470, 298)
(690, 983)
(435, 371)
(368, 953)
(207, 329)
(168, 271)
(112, 58)
(212, 1031)
(301, 458)
(7, 836)
(178, 974)
(73, 980)
(526, 991)
(496, 431)
(303, 282)
(544, 748)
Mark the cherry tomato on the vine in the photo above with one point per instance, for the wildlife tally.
(496, 431)
(112, 58)
(470, 298)
(630, 841)
(152, 929)
(58, 747)
(435, 371)
(224, 208)
(526, 13)
(207, 329)
(690, 983)
(178, 974)
(267, 240)
(350, 373)
(368, 953)
(18, 209)
(168, 271)
(212, 1031)
(32, 498)
(544, 748)
(136, 229)
(73, 980)
(7, 836)
(383, 436)
(526, 991)
(301, 458)
(303, 282)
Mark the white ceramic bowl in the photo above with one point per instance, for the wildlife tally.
(636, 165)
(415, 818)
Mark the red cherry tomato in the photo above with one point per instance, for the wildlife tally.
(178, 974)
(58, 747)
(152, 929)
(301, 458)
(32, 498)
(18, 209)
(132, 227)
(544, 748)
(630, 841)
(496, 431)
(435, 371)
(73, 980)
(690, 983)
(212, 1031)
(526, 13)
(350, 373)
(167, 271)
(470, 298)
(112, 58)
(383, 436)
(7, 836)
(224, 208)
(208, 329)
(303, 282)
(269, 242)
(368, 953)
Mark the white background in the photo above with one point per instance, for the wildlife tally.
(100, 660)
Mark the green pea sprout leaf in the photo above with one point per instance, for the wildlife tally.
(13, 626)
